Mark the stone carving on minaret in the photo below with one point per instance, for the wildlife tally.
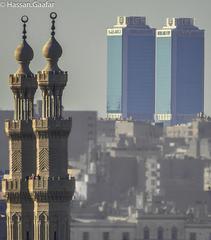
(21, 145)
(38, 189)
(53, 190)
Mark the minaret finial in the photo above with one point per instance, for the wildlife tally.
(24, 20)
(52, 50)
(53, 16)
(24, 53)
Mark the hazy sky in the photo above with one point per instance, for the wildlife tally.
(81, 30)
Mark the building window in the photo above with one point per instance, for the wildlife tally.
(160, 233)
(153, 182)
(106, 236)
(55, 236)
(192, 236)
(85, 235)
(174, 233)
(126, 236)
(146, 233)
(153, 165)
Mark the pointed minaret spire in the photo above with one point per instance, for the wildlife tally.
(52, 50)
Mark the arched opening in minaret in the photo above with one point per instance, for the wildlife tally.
(55, 238)
(27, 235)
(15, 226)
(42, 223)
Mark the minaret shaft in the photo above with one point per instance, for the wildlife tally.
(38, 189)
(52, 203)
(21, 148)
(51, 100)
(52, 190)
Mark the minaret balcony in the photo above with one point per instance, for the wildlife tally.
(52, 188)
(55, 78)
(49, 124)
(18, 126)
(22, 81)
(14, 186)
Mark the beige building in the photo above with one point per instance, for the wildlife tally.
(152, 176)
(198, 128)
(207, 177)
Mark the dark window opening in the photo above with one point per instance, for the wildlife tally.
(126, 236)
(174, 233)
(106, 236)
(146, 233)
(192, 236)
(27, 235)
(160, 233)
(85, 235)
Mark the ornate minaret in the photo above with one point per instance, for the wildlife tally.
(52, 189)
(21, 146)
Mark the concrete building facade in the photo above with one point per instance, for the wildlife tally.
(142, 227)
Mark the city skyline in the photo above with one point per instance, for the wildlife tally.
(87, 62)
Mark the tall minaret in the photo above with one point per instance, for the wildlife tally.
(21, 146)
(52, 189)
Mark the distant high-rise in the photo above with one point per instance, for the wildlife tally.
(179, 93)
(131, 69)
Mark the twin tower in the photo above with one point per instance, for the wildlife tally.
(38, 188)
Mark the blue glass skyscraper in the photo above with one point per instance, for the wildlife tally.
(115, 68)
(131, 69)
(179, 91)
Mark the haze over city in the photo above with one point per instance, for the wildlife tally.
(68, 170)
(81, 30)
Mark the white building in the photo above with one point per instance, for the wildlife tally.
(141, 227)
